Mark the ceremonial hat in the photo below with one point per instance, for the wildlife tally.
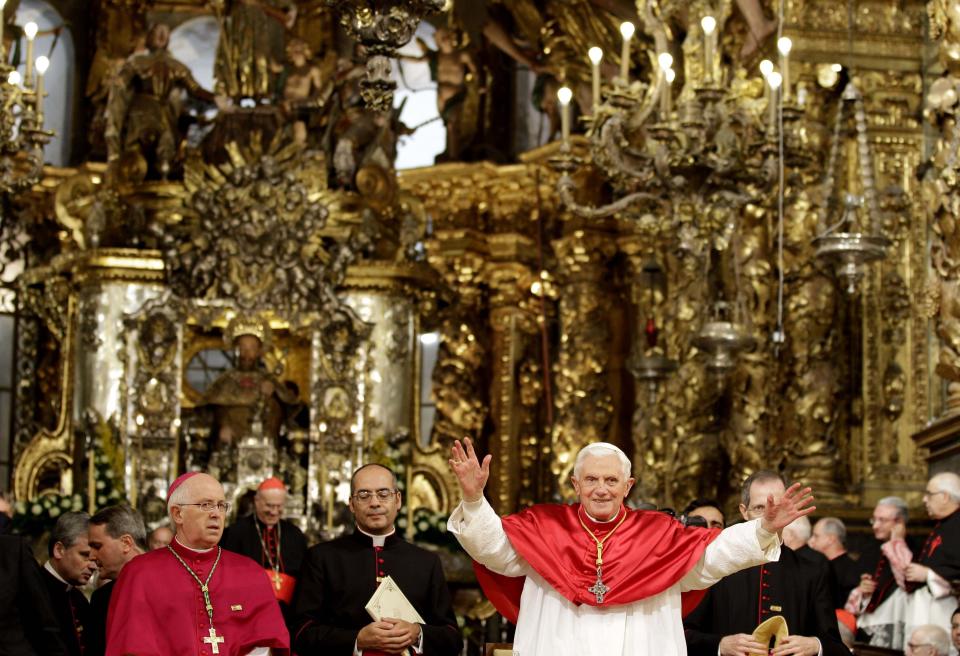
(272, 483)
(847, 619)
(180, 481)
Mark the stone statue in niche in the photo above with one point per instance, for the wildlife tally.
(143, 108)
(247, 401)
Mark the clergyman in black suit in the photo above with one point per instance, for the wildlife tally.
(793, 587)
(28, 626)
(68, 568)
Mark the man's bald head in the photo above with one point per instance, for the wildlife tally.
(942, 496)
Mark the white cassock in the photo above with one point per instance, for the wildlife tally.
(930, 604)
(550, 625)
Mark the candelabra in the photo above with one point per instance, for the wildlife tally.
(22, 137)
(680, 170)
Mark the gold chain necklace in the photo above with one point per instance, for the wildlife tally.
(274, 564)
(598, 588)
(213, 639)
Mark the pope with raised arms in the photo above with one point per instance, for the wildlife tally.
(594, 578)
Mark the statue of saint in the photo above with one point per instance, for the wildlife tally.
(142, 110)
(252, 40)
(247, 401)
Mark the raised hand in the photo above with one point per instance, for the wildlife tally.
(471, 475)
(793, 504)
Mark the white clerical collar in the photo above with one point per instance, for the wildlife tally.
(378, 540)
(601, 521)
(191, 548)
(49, 567)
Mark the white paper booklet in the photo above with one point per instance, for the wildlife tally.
(389, 601)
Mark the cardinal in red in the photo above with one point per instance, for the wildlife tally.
(192, 597)
(594, 578)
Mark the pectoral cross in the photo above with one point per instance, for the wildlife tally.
(213, 639)
(598, 588)
(277, 581)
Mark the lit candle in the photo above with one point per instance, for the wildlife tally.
(774, 80)
(30, 31)
(766, 68)
(596, 56)
(784, 45)
(14, 78)
(626, 30)
(665, 59)
(565, 95)
(709, 25)
(667, 98)
(42, 65)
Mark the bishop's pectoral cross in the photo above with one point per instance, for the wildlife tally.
(213, 641)
(598, 588)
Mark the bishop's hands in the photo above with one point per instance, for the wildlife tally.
(794, 503)
(388, 635)
(471, 474)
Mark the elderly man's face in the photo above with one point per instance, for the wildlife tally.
(74, 563)
(602, 486)
(159, 538)
(821, 540)
(883, 520)
(937, 500)
(269, 505)
(197, 527)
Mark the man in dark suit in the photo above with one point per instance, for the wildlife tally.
(339, 577)
(69, 567)
(829, 537)
(117, 536)
(792, 587)
(28, 626)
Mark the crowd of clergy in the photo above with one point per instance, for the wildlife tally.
(595, 577)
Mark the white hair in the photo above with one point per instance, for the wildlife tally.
(834, 526)
(898, 503)
(800, 529)
(599, 450)
(947, 482)
(933, 635)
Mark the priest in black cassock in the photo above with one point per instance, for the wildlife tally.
(68, 569)
(797, 589)
(27, 623)
(339, 577)
(277, 544)
(829, 538)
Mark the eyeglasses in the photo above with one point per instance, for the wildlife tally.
(913, 647)
(881, 520)
(383, 494)
(210, 506)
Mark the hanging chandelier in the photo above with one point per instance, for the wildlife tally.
(849, 244)
(381, 27)
(722, 339)
(22, 137)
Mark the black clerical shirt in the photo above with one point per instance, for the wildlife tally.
(339, 577)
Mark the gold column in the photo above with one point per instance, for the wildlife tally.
(514, 329)
(584, 406)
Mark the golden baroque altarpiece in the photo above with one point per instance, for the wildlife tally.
(289, 216)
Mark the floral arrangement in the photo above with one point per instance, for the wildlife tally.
(36, 516)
